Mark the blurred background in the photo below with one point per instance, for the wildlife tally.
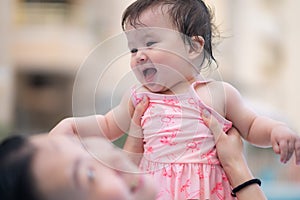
(45, 42)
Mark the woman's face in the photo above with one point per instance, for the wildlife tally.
(65, 169)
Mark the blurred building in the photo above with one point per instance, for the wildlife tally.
(259, 57)
(44, 43)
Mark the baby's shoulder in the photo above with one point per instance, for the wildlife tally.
(224, 90)
(216, 94)
(213, 86)
(220, 86)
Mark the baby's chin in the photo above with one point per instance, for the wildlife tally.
(156, 88)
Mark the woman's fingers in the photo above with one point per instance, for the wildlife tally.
(135, 126)
(139, 110)
(212, 123)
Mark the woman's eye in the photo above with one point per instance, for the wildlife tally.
(90, 175)
(148, 44)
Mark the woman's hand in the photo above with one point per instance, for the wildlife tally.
(230, 152)
(135, 129)
(134, 145)
(229, 146)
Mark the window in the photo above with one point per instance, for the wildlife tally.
(43, 11)
(46, 1)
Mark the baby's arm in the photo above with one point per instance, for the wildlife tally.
(260, 130)
(111, 125)
(134, 145)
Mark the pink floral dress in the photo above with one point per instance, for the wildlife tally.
(179, 150)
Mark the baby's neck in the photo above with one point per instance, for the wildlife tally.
(180, 88)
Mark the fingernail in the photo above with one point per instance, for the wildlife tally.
(144, 99)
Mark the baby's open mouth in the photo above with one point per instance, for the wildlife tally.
(149, 73)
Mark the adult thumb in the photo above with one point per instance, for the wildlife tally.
(212, 123)
(139, 110)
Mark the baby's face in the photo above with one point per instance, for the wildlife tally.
(160, 58)
(65, 170)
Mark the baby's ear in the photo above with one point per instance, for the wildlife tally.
(196, 46)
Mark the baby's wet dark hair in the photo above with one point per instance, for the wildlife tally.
(190, 17)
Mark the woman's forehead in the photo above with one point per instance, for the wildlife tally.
(52, 165)
(50, 141)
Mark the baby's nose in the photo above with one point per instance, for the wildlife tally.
(141, 57)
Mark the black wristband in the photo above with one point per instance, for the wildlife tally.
(243, 185)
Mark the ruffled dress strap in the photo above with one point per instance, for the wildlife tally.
(226, 123)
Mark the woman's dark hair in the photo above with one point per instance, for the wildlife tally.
(191, 18)
(16, 178)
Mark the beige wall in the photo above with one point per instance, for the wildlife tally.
(6, 74)
(265, 62)
(290, 77)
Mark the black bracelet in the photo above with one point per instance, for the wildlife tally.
(243, 185)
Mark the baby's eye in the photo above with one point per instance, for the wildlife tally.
(134, 50)
(148, 44)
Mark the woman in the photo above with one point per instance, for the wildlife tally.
(59, 167)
